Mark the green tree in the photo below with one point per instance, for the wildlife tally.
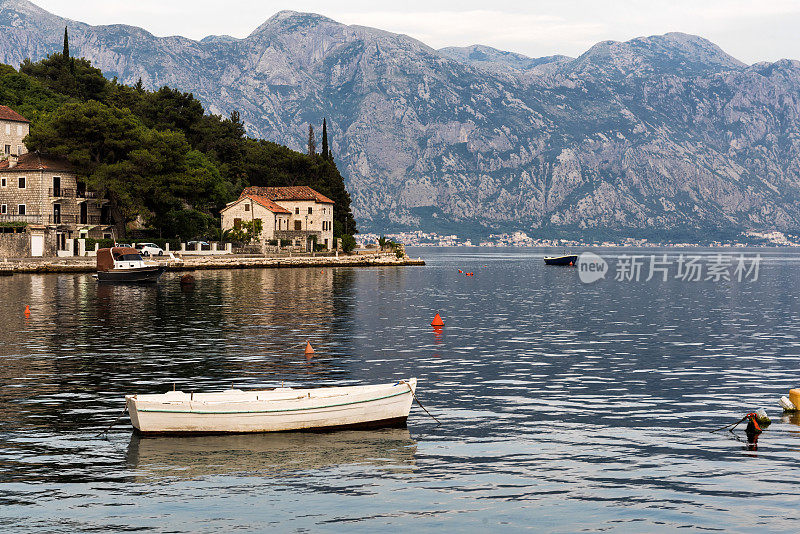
(312, 143)
(143, 172)
(247, 232)
(348, 243)
(65, 54)
(81, 80)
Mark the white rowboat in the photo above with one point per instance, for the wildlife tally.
(274, 410)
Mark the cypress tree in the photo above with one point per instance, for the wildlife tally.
(66, 44)
(312, 143)
(325, 153)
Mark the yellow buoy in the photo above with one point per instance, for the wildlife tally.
(794, 396)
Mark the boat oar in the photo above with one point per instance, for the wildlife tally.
(418, 402)
(113, 423)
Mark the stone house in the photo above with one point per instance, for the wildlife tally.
(43, 195)
(297, 214)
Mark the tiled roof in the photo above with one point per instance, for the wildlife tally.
(8, 114)
(297, 192)
(33, 161)
(267, 203)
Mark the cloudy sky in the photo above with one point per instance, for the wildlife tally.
(750, 30)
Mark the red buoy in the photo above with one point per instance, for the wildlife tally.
(27, 311)
(437, 321)
(309, 349)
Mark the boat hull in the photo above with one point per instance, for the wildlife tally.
(280, 410)
(135, 276)
(563, 261)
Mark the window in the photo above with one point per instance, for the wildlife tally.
(2, 182)
(21, 209)
(310, 210)
(19, 129)
(3, 209)
(8, 129)
(21, 182)
(247, 207)
(237, 223)
(297, 211)
(19, 150)
(7, 149)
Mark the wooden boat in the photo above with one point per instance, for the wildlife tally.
(125, 264)
(569, 260)
(274, 410)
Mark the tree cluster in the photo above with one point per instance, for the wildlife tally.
(156, 155)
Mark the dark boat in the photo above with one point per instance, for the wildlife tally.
(569, 260)
(125, 264)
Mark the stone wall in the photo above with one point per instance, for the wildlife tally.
(16, 245)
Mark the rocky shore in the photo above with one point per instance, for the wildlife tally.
(192, 263)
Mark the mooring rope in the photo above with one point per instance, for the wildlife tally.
(113, 423)
(418, 402)
(734, 425)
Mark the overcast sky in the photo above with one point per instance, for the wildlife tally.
(750, 30)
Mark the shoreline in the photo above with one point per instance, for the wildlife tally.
(88, 264)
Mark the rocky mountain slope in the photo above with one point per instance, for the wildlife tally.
(665, 132)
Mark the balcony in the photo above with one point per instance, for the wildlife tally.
(61, 192)
(295, 234)
(30, 219)
(77, 219)
(86, 194)
(62, 219)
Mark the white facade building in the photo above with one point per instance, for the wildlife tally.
(297, 214)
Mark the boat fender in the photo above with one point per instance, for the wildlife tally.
(786, 404)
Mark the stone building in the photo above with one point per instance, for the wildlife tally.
(13, 129)
(42, 195)
(297, 214)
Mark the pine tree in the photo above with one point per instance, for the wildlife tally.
(325, 152)
(312, 143)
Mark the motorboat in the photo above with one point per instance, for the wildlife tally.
(568, 260)
(273, 410)
(125, 264)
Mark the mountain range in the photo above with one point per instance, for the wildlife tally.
(665, 133)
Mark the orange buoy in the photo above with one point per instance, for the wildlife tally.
(437, 321)
(27, 311)
(309, 350)
(460, 271)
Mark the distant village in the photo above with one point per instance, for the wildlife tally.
(521, 239)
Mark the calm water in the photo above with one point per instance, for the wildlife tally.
(565, 407)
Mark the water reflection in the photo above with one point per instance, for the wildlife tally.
(268, 454)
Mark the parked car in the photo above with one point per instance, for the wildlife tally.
(192, 245)
(149, 249)
(121, 245)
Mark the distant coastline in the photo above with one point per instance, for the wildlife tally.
(521, 239)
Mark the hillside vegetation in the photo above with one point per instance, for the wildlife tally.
(157, 156)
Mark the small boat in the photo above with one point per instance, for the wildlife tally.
(273, 410)
(125, 264)
(569, 260)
